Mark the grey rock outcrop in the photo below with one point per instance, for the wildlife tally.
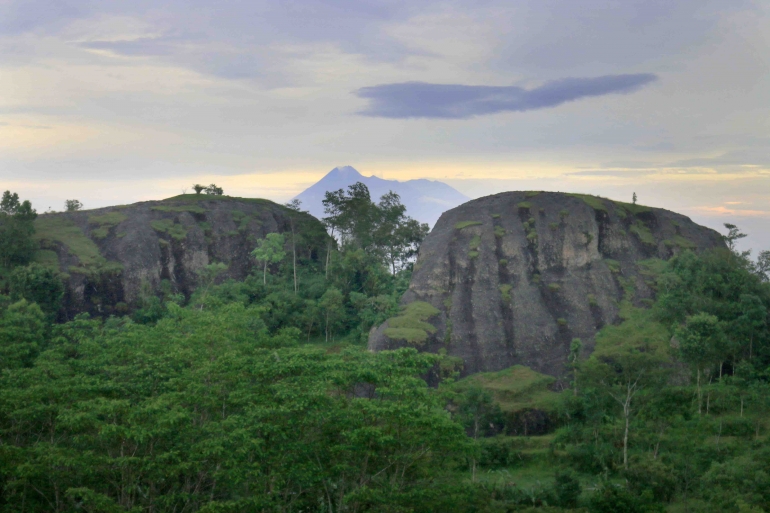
(111, 256)
(516, 276)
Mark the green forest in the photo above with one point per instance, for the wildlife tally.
(260, 395)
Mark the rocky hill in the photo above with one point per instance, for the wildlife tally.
(512, 278)
(110, 256)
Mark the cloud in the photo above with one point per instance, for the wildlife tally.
(455, 101)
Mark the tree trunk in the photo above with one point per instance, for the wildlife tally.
(700, 396)
(575, 382)
(264, 274)
(627, 414)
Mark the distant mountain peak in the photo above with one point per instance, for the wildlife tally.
(425, 200)
(344, 172)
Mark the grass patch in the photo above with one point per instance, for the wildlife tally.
(175, 230)
(639, 330)
(495, 216)
(531, 194)
(652, 267)
(524, 205)
(183, 198)
(503, 262)
(499, 232)
(554, 287)
(613, 265)
(466, 224)
(475, 242)
(592, 300)
(680, 242)
(505, 292)
(622, 209)
(515, 388)
(193, 209)
(104, 223)
(46, 258)
(473, 254)
(563, 214)
(592, 201)
(52, 228)
(553, 226)
(532, 236)
(561, 321)
(411, 325)
(642, 232)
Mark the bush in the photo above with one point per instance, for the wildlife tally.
(566, 490)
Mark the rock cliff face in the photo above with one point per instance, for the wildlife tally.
(110, 256)
(513, 278)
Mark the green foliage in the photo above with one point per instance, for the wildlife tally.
(17, 228)
(499, 232)
(104, 223)
(642, 232)
(515, 389)
(55, 229)
(207, 410)
(466, 224)
(474, 243)
(554, 287)
(613, 265)
(594, 202)
(193, 209)
(177, 231)
(269, 251)
(524, 205)
(37, 284)
(411, 325)
(72, 205)
(531, 194)
(505, 292)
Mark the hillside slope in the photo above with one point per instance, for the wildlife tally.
(425, 200)
(111, 256)
(512, 278)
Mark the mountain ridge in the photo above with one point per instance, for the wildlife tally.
(425, 200)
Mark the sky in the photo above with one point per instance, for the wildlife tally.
(122, 101)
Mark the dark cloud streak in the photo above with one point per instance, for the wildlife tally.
(454, 101)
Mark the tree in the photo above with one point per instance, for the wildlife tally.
(397, 235)
(37, 284)
(622, 366)
(208, 275)
(295, 207)
(382, 230)
(698, 340)
(213, 190)
(22, 334)
(72, 205)
(332, 306)
(733, 235)
(477, 411)
(633, 199)
(16, 230)
(269, 251)
(199, 188)
(762, 267)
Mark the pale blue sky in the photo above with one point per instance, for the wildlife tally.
(127, 100)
